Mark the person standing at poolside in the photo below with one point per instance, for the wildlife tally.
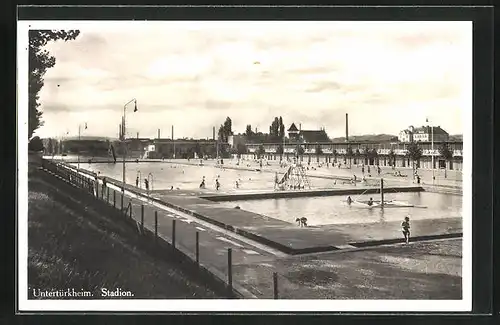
(104, 185)
(405, 228)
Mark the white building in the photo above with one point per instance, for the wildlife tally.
(423, 134)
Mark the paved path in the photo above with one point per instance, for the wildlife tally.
(254, 261)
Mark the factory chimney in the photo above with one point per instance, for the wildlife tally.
(346, 127)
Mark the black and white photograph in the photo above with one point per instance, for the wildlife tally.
(245, 165)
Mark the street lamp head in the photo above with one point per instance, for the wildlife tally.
(135, 105)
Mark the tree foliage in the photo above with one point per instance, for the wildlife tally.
(392, 157)
(282, 128)
(35, 144)
(445, 151)
(225, 130)
(414, 152)
(318, 149)
(260, 151)
(50, 146)
(241, 148)
(349, 151)
(39, 61)
(279, 149)
(277, 128)
(249, 132)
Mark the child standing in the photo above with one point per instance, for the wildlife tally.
(405, 228)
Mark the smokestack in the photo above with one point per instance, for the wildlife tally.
(137, 135)
(213, 134)
(346, 127)
(158, 133)
(255, 129)
(300, 127)
(120, 131)
(172, 132)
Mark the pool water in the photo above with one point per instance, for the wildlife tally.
(189, 177)
(334, 210)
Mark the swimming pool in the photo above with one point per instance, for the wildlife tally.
(334, 210)
(189, 177)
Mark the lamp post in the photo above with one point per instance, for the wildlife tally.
(123, 137)
(432, 150)
(79, 139)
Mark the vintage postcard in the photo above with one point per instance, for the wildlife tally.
(245, 166)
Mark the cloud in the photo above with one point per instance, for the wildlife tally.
(309, 72)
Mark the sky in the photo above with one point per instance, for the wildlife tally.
(385, 75)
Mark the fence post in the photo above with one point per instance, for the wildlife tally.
(197, 251)
(173, 233)
(156, 227)
(230, 270)
(114, 199)
(142, 218)
(275, 282)
(130, 212)
(122, 204)
(107, 195)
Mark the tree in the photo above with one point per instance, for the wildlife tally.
(334, 153)
(446, 153)
(319, 151)
(39, 61)
(261, 151)
(281, 128)
(414, 152)
(197, 149)
(35, 144)
(349, 154)
(279, 149)
(221, 134)
(249, 131)
(241, 148)
(357, 155)
(50, 146)
(228, 128)
(392, 158)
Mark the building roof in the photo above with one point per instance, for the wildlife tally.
(427, 130)
(293, 128)
(314, 136)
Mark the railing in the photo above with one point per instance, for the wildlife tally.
(144, 218)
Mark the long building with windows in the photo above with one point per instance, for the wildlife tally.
(368, 153)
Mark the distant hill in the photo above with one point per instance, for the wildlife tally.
(368, 138)
(456, 137)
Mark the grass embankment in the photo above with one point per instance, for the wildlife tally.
(74, 246)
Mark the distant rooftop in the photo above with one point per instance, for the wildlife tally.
(293, 128)
(314, 136)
